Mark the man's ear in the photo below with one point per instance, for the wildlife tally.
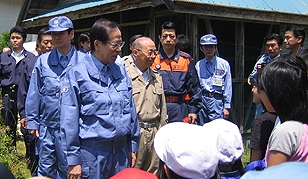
(96, 44)
(134, 52)
(300, 39)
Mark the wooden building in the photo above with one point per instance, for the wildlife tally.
(240, 26)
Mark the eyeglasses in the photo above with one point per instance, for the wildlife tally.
(117, 44)
(171, 36)
(149, 53)
(270, 45)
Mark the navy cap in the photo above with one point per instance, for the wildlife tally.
(208, 39)
(59, 23)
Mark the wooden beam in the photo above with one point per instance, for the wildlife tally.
(83, 30)
(195, 41)
(36, 11)
(268, 32)
(93, 12)
(208, 25)
(23, 11)
(238, 98)
(151, 26)
(135, 23)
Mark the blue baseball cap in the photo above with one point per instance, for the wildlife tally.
(208, 39)
(59, 23)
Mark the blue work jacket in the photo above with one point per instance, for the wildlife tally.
(94, 109)
(44, 94)
(219, 70)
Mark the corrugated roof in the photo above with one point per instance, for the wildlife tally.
(72, 7)
(283, 6)
(286, 6)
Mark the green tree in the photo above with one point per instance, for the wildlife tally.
(5, 39)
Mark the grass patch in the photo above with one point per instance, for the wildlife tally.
(16, 162)
(246, 157)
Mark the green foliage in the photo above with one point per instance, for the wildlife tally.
(5, 39)
(17, 163)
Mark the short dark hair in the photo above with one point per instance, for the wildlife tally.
(297, 31)
(168, 25)
(84, 37)
(19, 30)
(285, 82)
(274, 36)
(183, 44)
(69, 30)
(100, 31)
(41, 33)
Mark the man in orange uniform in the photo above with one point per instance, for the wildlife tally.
(180, 79)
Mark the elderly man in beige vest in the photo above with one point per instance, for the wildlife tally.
(149, 99)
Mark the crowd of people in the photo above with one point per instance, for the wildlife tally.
(91, 113)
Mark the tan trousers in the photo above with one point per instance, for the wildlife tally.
(147, 159)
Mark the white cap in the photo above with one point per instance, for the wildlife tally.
(229, 140)
(194, 151)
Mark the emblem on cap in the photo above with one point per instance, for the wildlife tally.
(157, 66)
(56, 22)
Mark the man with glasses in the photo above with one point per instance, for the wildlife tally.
(273, 46)
(148, 93)
(216, 82)
(181, 84)
(43, 101)
(99, 120)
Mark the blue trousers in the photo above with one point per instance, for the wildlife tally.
(211, 109)
(177, 111)
(230, 175)
(103, 159)
(52, 159)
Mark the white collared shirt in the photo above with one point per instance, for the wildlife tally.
(18, 56)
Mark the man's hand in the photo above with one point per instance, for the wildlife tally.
(192, 117)
(259, 66)
(34, 132)
(24, 123)
(74, 172)
(226, 113)
(248, 80)
(132, 159)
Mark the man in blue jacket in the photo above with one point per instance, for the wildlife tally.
(13, 62)
(215, 80)
(43, 105)
(99, 119)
